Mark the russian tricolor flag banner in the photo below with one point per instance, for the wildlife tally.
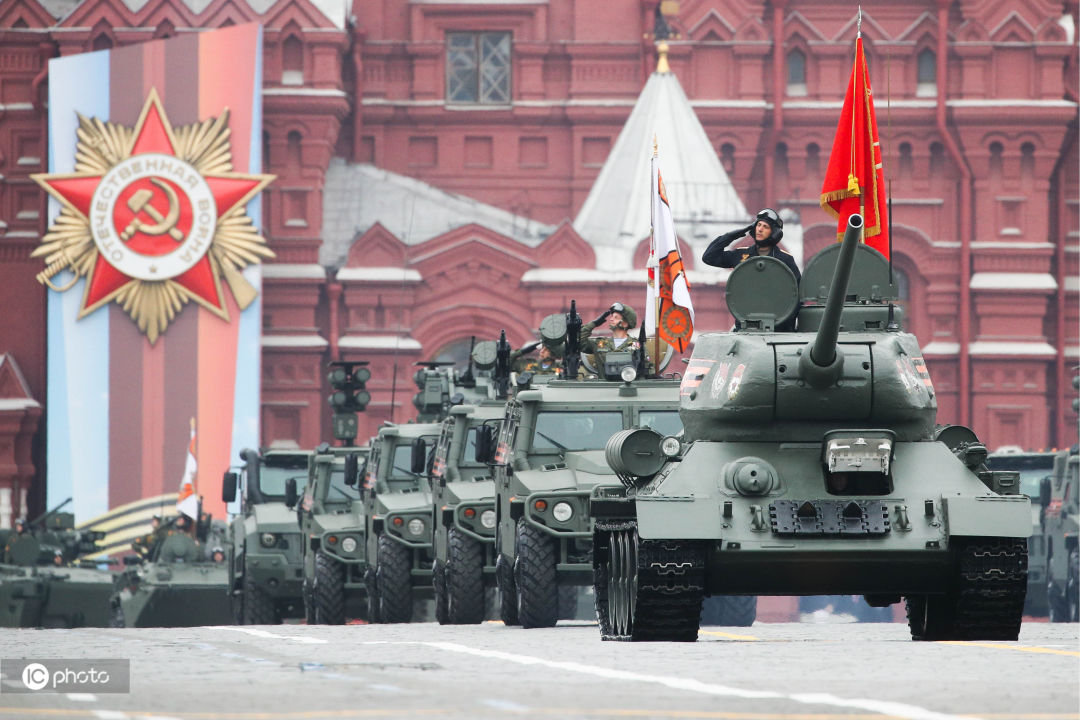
(153, 259)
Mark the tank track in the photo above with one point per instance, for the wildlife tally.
(986, 601)
(667, 596)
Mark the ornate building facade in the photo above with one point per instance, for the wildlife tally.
(381, 117)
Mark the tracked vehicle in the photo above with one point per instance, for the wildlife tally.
(810, 464)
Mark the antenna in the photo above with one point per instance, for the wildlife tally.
(397, 335)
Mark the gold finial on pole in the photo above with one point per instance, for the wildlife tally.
(662, 66)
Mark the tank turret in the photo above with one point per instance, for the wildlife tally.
(848, 364)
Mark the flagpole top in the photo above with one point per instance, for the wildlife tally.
(858, 23)
(662, 66)
(193, 423)
(655, 146)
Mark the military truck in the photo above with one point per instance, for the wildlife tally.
(1034, 467)
(331, 519)
(180, 586)
(463, 497)
(398, 521)
(810, 464)
(266, 569)
(546, 459)
(1060, 500)
(46, 578)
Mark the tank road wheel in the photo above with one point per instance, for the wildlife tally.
(646, 589)
(986, 601)
(329, 591)
(258, 607)
(463, 577)
(534, 575)
(729, 610)
(393, 581)
(504, 578)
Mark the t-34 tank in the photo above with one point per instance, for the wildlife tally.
(810, 464)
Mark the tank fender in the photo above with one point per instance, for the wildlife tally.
(989, 516)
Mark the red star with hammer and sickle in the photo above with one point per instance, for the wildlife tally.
(154, 134)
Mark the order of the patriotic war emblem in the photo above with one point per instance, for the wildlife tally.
(153, 218)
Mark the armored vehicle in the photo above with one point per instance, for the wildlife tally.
(331, 519)
(1061, 516)
(463, 496)
(180, 586)
(810, 464)
(266, 563)
(548, 459)
(46, 579)
(1034, 467)
(397, 521)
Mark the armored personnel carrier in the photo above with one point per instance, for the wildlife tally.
(548, 458)
(1034, 467)
(46, 579)
(331, 519)
(810, 464)
(266, 563)
(1061, 527)
(180, 586)
(463, 496)
(397, 520)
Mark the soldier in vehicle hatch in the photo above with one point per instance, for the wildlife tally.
(621, 319)
(20, 532)
(545, 363)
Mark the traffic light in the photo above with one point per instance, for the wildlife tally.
(349, 396)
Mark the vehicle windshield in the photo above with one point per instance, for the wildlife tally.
(1032, 469)
(567, 430)
(400, 468)
(338, 490)
(272, 479)
(468, 456)
(665, 422)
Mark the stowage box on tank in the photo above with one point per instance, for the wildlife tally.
(811, 464)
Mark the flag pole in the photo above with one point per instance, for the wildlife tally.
(654, 177)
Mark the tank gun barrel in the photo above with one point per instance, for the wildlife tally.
(45, 516)
(822, 361)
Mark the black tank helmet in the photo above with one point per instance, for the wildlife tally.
(776, 222)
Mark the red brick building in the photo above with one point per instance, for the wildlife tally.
(433, 158)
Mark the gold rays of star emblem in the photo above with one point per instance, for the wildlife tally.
(153, 217)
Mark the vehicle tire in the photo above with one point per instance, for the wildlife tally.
(729, 610)
(463, 577)
(373, 615)
(309, 603)
(534, 575)
(329, 591)
(393, 580)
(438, 581)
(258, 607)
(504, 579)
(1072, 588)
(116, 613)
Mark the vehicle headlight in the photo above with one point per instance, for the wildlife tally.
(416, 526)
(268, 540)
(487, 519)
(670, 446)
(562, 511)
(349, 544)
(628, 373)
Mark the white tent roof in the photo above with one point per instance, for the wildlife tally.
(615, 216)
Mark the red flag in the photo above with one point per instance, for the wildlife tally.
(854, 180)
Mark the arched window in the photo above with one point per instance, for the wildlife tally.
(1027, 160)
(796, 72)
(813, 160)
(781, 160)
(996, 150)
(905, 159)
(727, 158)
(927, 80)
(937, 159)
(102, 42)
(292, 61)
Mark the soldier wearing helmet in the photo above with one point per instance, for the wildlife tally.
(767, 230)
(620, 320)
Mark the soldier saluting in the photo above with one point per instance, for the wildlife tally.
(767, 230)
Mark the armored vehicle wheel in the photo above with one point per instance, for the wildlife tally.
(236, 605)
(986, 601)
(568, 602)
(1072, 588)
(646, 589)
(534, 575)
(309, 603)
(729, 610)
(393, 582)
(438, 581)
(329, 591)
(373, 614)
(116, 613)
(463, 579)
(258, 607)
(504, 579)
